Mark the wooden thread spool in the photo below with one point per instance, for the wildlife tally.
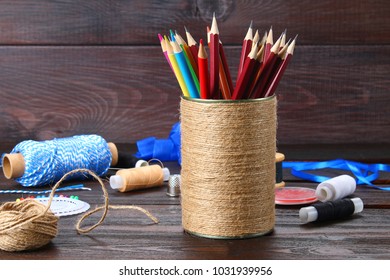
(14, 164)
(279, 157)
(139, 178)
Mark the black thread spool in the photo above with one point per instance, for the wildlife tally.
(331, 210)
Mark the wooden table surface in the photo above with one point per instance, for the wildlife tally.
(129, 234)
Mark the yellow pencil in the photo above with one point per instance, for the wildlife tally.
(176, 68)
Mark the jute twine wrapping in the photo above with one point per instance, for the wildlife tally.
(29, 224)
(228, 167)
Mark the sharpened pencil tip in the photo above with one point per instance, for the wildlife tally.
(214, 26)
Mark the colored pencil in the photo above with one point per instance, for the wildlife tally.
(208, 76)
(164, 49)
(269, 43)
(181, 61)
(187, 52)
(275, 68)
(203, 72)
(278, 77)
(192, 45)
(243, 80)
(256, 38)
(267, 69)
(176, 68)
(283, 40)
(214, 59)
(223, 84)
(246, 48)
(226, 70)
(257, 69)
(192, 71)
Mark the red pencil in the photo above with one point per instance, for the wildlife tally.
(192, 45)
(283, 40)
(278, 77)
(214, 60)
(203, 72)
(247, 71)
(246, 48)
(268, 44)
(256, 38)
(276, 67)
(267, 69)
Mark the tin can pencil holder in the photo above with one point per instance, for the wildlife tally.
(228, 167)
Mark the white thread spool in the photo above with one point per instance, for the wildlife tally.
(336, 188)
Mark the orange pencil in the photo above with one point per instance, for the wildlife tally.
(203, 72)
(256, 70)
(226, 70)
(243, 80)
(260, 63)
(278, 77)
(214, 60)
(223, 84)
(246, 48)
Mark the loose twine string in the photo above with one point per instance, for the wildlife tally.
(228, 167)
(29, 224)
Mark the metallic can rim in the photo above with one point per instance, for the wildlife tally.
(245, 236)
(228, 100)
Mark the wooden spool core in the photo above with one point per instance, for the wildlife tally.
(279, 157)
(13, 165)
(114, 153)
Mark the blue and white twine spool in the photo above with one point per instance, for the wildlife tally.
(47, 161)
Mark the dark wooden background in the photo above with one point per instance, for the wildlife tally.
(77, 67)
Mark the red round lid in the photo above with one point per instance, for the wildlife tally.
(294, 196)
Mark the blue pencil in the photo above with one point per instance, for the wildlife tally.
(181, 61)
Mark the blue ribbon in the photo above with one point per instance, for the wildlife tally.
(169, 150)
(364, 173)
(162, 149)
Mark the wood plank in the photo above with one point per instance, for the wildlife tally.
(329, 94)
(138, 22)
(129, 235)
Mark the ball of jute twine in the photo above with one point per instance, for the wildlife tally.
(28, 224)
(228, 167)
